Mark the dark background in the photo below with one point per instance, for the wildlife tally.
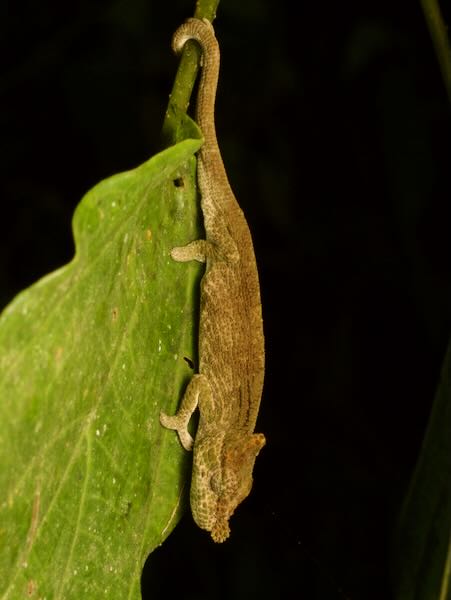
(336, 133)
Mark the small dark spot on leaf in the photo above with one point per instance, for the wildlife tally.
(179, 182)
(125, 506)
(114, 313)
(189, 362)
(31, 588)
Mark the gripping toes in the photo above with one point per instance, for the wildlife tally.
(179, 424)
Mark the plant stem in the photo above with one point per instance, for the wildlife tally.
(437, 29)
(179, 98)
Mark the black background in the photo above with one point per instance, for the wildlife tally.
(336, 133)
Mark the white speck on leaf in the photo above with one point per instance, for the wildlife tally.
(97, 432)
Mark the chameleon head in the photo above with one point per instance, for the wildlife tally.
(217, 491)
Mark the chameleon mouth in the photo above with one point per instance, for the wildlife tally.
(220, 532)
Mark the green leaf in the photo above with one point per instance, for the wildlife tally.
(440, 39)
(90, 482)
(422, 547)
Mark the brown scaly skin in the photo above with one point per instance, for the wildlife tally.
(229, 385)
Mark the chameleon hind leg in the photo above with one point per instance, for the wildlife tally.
(201, 250)
(197, 250)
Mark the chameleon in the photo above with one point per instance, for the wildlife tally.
(228, 386)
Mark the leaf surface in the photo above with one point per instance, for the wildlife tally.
(422, 547)
(90, 482)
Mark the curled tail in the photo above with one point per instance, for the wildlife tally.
(201, 30)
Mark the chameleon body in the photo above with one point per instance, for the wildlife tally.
(229, 384)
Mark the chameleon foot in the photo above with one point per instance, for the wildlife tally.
(180, 425)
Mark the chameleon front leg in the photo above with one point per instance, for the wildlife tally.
(198, 387)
